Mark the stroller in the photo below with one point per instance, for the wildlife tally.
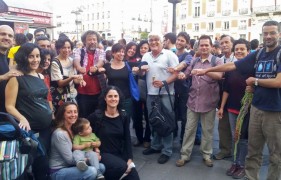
(18, 149)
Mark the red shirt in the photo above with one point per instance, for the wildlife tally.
(47, 81)
(93, 86)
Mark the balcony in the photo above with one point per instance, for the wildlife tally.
(226, 12)
(242, 27)
(266, 9)
(211, 14)
(243, 11)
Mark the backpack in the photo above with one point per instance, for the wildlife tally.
(161, 121)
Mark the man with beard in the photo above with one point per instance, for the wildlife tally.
(6, 42)
(86, 59)
(265, 119)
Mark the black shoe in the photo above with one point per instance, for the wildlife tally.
(163, 159)
(150, 151)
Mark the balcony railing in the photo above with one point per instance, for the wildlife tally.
(242, 27)
(211, 13)
(226, 12)
(243, 11)
(266, 9)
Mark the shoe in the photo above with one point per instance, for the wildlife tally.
(208, 162)
(100, 177)
(146, 144)
(221, 156)
(137, 144)
(163, 159)
(150, 151)
(181, 162)
(231, 170)
(81, 165)
(239, 173)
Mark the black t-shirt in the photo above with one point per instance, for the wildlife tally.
(267, 99)
(4, 68)
(32, 102)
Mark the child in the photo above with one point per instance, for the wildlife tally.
(84, 142)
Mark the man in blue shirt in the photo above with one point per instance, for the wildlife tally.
(265, 115)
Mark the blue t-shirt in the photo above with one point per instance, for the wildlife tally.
(267, 99)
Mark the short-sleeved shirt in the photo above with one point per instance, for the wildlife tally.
(158, 70)
(204, 91)
(80, 140)
(68, 70)
(267, 99)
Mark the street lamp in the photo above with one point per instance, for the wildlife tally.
(77, 22)
(174, 2)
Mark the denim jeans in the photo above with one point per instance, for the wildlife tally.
(74, 173)
(242, 146)
(157, 141)
(92, 156)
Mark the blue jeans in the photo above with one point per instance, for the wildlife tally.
(242, 146)
(75, 174)
(157, 141)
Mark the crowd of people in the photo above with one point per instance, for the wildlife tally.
(77, 98)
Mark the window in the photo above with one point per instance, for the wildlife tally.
(102, 16)
(108, 25)
(243, 25)
(182, 27)
(108, 14)
(93, 26)
(88, 17)
(98, 15)
(210, 26)
(196, 27)
(243, 36)
(196, 5)
(93, 16)
(98, 26)
(226, 25)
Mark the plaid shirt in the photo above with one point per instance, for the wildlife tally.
(99, 54)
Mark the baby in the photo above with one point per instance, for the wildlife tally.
(84, 142)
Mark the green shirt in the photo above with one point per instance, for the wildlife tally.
(80, 140)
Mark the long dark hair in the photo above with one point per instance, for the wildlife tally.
(102, 103)
(59, 120)
(21, 56)
(128, 46)
(43, 54)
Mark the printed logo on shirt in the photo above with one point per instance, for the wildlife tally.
(266, 69)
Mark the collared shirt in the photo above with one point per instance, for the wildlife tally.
(204, 91)
(98, 55)
(231, 58)
(158, 69)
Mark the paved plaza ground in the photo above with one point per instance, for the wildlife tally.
(149, 169)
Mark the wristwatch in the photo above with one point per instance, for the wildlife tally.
(256, 82)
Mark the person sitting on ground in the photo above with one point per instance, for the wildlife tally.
(111, 125)
(84, 142)
(62, 163)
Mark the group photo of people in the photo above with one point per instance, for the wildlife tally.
(82, 100)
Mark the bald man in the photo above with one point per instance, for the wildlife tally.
(6, 41)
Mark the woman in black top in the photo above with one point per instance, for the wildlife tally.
(26, 99)
(111, 125)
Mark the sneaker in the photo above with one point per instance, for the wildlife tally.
(239, 173)
(100, 177)
(81, 165)
(163, 159)
(221, 156)
(181, 162)
(208, 162)
(150, 151)
(231, 170)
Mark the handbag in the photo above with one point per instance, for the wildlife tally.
(60, 95)
(161, 120)
(134, 89)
